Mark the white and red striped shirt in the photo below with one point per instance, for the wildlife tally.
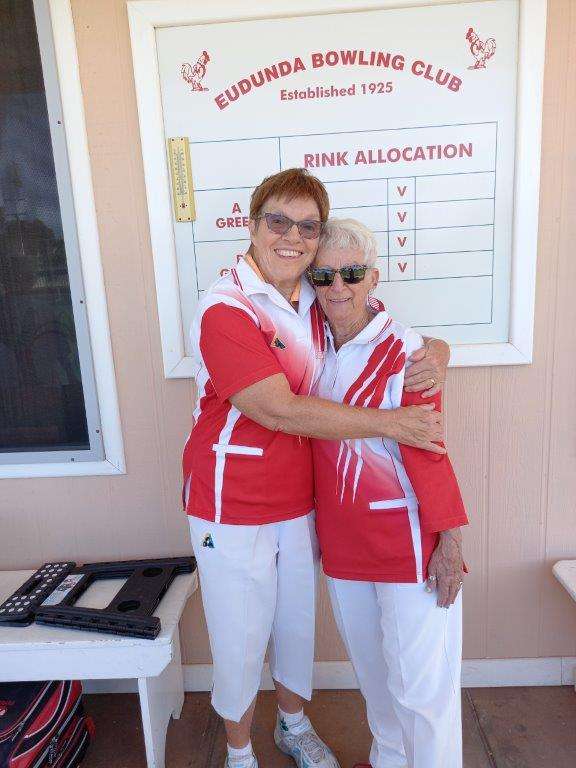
(244, 331)
(379, 505)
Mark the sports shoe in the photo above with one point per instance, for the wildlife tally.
(306, 747)
(232, 763)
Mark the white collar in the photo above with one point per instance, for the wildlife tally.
(253, 283)
(372, 330)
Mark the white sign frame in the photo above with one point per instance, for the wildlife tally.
(147, 15)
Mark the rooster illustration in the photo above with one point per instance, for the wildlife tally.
(194, 74)
(481, 51)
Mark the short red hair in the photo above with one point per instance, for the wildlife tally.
(288, 185)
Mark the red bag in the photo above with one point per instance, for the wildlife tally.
(43, 724)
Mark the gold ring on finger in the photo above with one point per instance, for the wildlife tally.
(433, 380)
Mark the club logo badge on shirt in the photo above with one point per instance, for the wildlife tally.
(207, 541)
(278, 343)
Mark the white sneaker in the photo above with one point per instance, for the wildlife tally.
(233, 763)
(306, 748)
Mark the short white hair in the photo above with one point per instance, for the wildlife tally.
(341, 234)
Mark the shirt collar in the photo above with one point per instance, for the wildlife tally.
(253, 282)
(370, 332)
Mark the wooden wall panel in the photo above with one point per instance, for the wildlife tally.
(467, 407)
(511, 430)
(515, 526)
(557, 614)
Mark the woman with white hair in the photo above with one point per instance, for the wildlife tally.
(388, 519)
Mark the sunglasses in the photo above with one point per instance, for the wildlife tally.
(309, 229)
(350, 274)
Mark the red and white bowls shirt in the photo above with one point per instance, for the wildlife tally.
(245, 331)
(379, 505)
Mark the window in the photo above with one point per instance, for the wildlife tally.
(48, 403)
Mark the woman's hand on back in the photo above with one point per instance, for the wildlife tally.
(420, 426)
(427, 373)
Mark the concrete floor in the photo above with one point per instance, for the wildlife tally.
(503, 728)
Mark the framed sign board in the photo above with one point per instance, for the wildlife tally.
(422, 119)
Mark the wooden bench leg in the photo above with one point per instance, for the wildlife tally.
(161, 698)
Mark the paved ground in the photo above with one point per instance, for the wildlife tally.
(503, 728)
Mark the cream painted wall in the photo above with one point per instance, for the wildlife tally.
(511, 430)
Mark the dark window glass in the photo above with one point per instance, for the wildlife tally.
(41, 397)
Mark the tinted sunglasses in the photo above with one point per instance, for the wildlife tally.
(309, 229)
(350, 274)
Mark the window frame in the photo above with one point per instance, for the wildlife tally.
(56, 38)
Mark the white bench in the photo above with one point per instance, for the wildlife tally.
(52, 653)
(565, 572)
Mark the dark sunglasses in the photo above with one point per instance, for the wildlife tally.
(309, 229)
(324, 276)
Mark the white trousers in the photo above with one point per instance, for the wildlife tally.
(258, 588)
(406, 653)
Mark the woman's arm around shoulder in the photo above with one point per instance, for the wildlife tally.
(429, 360)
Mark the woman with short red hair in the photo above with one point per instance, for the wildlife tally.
(258, 337)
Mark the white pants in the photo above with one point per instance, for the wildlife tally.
(406, 653)
(258, 587)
